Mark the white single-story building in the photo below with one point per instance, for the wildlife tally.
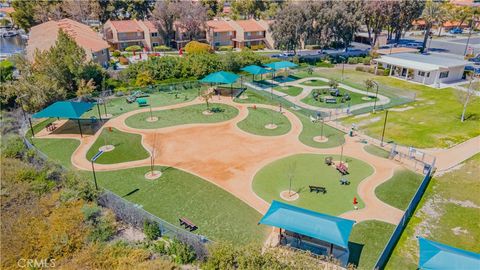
(426, 69)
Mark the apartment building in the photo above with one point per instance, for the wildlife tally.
(220, 33)
(239, 34)
(122, 34)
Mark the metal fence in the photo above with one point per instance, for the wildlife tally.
(397, 233)
(134, 215)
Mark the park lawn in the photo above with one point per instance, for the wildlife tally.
(434, 120)
(58, 150)
(289, 90)
(475, 85)
(448, 213)
(119, 105)
(367, 240)
(398, 191)
(180, 116)
(128, 147)
(314, 82)
(356, 98)
(258, 118)
(376, 151)
(219, 215)
(310, 169)
(311, 130)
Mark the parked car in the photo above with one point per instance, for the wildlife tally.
(456, 31)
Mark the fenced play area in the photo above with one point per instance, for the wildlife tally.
(206, 160)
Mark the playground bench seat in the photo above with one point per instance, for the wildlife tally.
(142, 102)
(187, 224)
(331, 100)
(344, 182)
(318, 189)
(342, 169)
(329, 161)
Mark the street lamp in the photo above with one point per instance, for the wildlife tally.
(94, 158)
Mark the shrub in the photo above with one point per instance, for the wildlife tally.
(366, 60)
(225, 48)
(386, 72)
(90, 211)
(359, 68)
(12, 147)
(195, 47)
(352, 60)
(257, 47)
(313, 47)
(116, 53)
(181, 253)
(134, 48)
(162, 48)
(151, 230)
(123, 60)
(217, 110)
(103, 229)
(324, 64)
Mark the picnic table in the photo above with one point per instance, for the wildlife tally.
(342, 168)
(344, 181)
(187, 224)
(318, 189)
(142, 102)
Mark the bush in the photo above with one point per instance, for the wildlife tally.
(116, 53)
(195, 47)
(90, 211)
(123, 60)
(181, 253)
(366, 60)
(162, 48)
(257, 47)
(386, 72)
(217, 110)
(103, 229)
(134, 48)
(225, 48)
(12, 147)
(324, 64)
(360, 68)
(313, 47)
(151, 230)
(352, 60)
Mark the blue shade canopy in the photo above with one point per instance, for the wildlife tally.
(220, 77)
(256, 70)
(434, 255)
(64, 109)
(328, 228)
(280, 65)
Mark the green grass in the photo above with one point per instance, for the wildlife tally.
(259, 117)
(58, 150)
(377, 151)
(356, 98)
(128, 147)
(367, 240)
(181, 116)
(399, 190)
(219, 215)
(433, 122)
(119, 105)
(289, 90)
(440, 212)
(475, 85)
(314, 83)
(309, 169)
(311, 130)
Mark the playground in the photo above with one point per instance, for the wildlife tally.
(219, 163)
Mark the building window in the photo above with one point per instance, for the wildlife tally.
(154, 34)
(421, 73)
(444, 74)
(260, 33)
(428, 74)
(230, 33)
(139, 34)
(155, 44)
(215, 34)
(249, 34)
(217, 44)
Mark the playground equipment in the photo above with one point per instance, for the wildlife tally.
(142, 102)
(137, 94)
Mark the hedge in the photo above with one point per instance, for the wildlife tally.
(225, 48)
(257, 47)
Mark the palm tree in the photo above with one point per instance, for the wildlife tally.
(433, 13)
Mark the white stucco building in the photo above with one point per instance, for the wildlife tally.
(430, 70)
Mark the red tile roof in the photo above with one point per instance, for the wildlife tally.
(250, 25)
(219, 26)
(129, 26)
(7, 10)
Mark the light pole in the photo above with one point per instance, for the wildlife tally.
(376, 96)
(94, 158)
(384, 125)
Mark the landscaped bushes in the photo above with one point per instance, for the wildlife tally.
(195, 47)
(257, 47)
(225, 48)
(358, 60)
(134, 48)
(313, 47)
(116, 53)
(162, 48)
(380, 70)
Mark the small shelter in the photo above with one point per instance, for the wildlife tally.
(276, 66)
(221, 77)
(305, 229)
(65, 109)
(437, 256)
(256, 70)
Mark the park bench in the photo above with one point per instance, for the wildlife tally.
(342, 168)
(51, 127)
(330, 100)
(329, 161)
(187, 224)
(318, 189)
(344, 181)
(142, 102)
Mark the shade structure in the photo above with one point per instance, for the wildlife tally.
(281, 65)
(327, 228)
(222, 77)
(64, 109)
(438, 256)
(256, 70)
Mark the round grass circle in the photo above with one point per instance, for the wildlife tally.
(289, 196)
(152, 175)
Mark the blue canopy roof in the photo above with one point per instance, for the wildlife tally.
(434, 255)
(280, 65)
(328, 228)
(64, 109)
(256, 70)
(220, 77)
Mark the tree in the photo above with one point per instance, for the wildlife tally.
(344, 21)
(466, 97)
(432, 14)
(206, 96)
(164, 16)
(23, 15)
(133, 48)
(401, 14)
(85, 88)
(243, 8)
(333, 84)
(144, 79)
(369, 84)
(195, 47)
(375, 18)
(192, 19)
(287, 29)
(6, 71)
(213, 7)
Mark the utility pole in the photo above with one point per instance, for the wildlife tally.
(94, 158)
(376, 96)
(384, 125)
